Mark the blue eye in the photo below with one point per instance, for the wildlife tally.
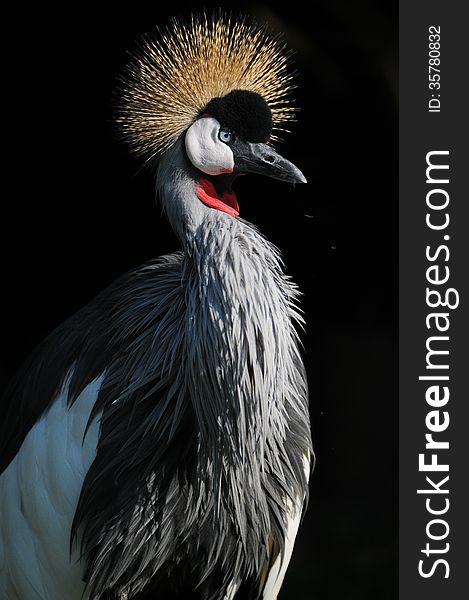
(226, 136)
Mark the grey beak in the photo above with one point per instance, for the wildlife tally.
(262, 159)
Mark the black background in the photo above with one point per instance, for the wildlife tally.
(77, 213)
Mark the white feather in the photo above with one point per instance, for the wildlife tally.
(277, 572)
(231, 590)
(39, 493)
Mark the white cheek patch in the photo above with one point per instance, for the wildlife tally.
(205, 151)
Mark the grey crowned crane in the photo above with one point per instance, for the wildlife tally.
(157, 444)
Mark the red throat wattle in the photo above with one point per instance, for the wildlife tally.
(226, 202)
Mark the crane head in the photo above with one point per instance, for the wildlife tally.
(230, 138)
(219, 89)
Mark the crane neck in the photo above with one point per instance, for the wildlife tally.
(241, 350)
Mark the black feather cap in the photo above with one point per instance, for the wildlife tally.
(244, 112)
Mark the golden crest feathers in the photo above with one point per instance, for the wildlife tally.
(172, 77)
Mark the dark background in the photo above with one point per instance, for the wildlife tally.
(77, 212)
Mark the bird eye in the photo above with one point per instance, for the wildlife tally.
(226, 135)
